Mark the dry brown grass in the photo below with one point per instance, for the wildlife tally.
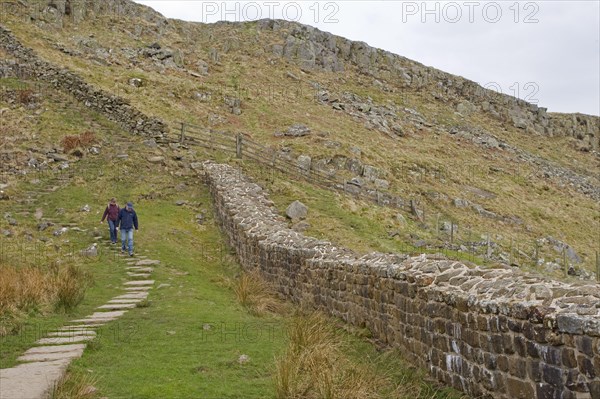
(31, 289)
(75, 386)
(315, 365)
(257, 295)
(82, 140)
(26, 96)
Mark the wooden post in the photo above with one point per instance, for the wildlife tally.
(437, 225)
(238, 146)
(182, 139)
(565, 264)
(451, 232)
(597, 266)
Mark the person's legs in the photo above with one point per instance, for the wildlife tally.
(130, 239)
(123, 239)
(113, 231)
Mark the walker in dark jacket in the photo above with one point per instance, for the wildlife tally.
(127, 221)
(111, 214)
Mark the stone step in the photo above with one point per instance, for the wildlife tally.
(72, 333)
(140, 282)
(64, 340)
(79, 327)
(147, 262)
(48, 357)
(32, 380)
(101, 317)
(138, 275)
(137, 289)
(126, 300)
(140, 269)
(117, 306)
(133, 295)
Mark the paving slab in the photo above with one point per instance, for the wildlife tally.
(66, 352)
(133, 295)
(64, 340)
(84, 327)
(140, 269)
(140, 282)
(138, 275)
(31, 380)
(71, 333)
(136, 300)
(147, 262)
(95, 322)
(53, 349)
(139, 289)
(118, 306)
(101, 317)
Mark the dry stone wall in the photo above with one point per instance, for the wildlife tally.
(114, 108)
(493, 333)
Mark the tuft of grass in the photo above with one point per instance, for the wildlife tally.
(71, 142)
(315, 365)
(34, 290)
(257, 295)
(71, 284)
(143, 304)
(75, 386)
(21, 291)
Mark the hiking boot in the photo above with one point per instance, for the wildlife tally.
(131, 254)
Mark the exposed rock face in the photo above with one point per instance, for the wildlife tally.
(113, 107)
(476, 329)
(311, 48)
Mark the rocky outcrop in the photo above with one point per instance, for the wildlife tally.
(493, 333)
(312, 48)
(114, 108)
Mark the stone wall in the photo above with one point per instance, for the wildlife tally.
(27, 64)
(493, 333)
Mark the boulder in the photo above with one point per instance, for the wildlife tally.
(296, 211)
(304, 162)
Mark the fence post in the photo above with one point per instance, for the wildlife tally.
(238, 146)
(452, 232)
(565, 265)
(597, 266)
(181, 140)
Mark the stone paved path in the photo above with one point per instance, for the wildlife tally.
(44, 365)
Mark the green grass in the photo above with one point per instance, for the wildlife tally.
(185, 341)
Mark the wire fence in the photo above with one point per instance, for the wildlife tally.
(449, 238)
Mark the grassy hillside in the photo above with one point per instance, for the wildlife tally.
(276, 93)
(194, 333)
